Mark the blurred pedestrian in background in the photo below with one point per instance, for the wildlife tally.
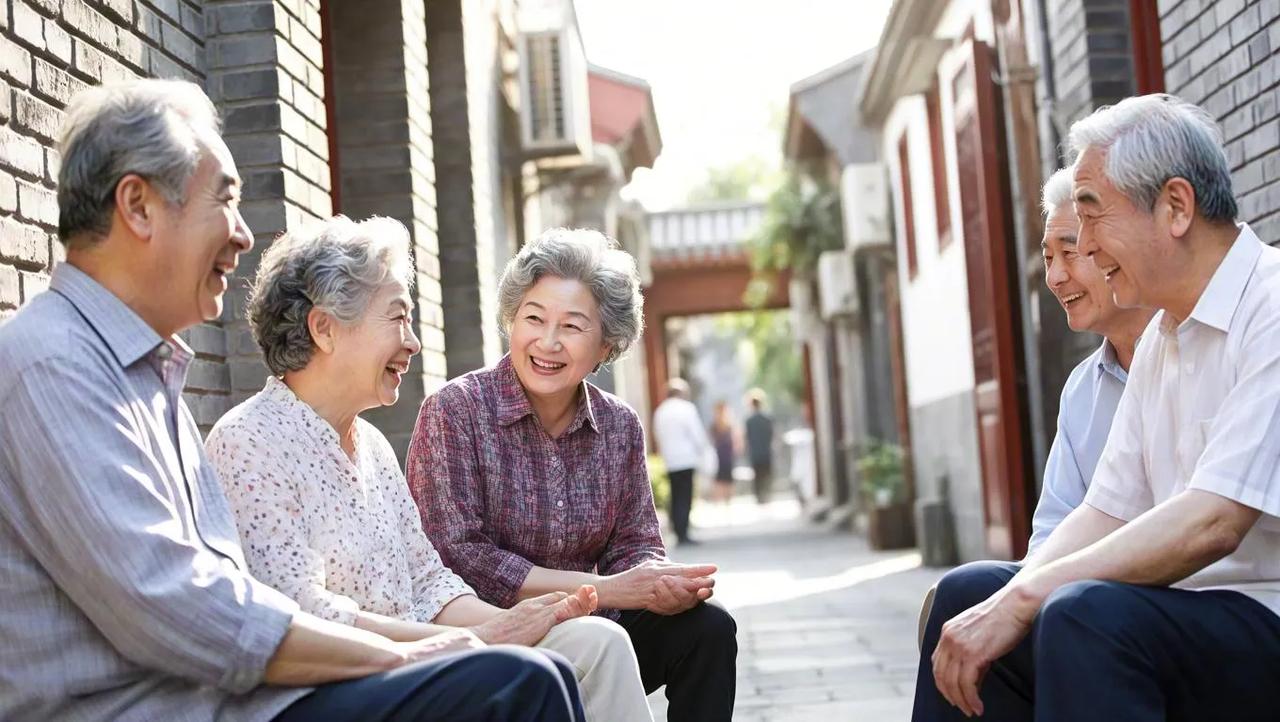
(726, 439)
(760, 446)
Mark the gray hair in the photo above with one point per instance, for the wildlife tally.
(147, 127)
(1057, 190)
(1152, 138)
(591, 258)
(336, 266)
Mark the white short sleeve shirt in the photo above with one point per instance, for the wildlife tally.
(1202, 411)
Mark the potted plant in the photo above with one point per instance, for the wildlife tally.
(881, 471)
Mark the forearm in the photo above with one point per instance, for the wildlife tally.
(398, 629)
(1165, 545)
(315, 651)
(1081, 527)
(544, 581)
(466, 611)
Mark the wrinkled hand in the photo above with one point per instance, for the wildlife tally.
(970, 643)
(529, 621)
(661, 586)
(455, 640)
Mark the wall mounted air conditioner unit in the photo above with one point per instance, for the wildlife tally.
(864, 200)
(555, 110)
(837, 285)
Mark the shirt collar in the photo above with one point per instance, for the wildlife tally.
(1109, 363)
(1218, 303)
(122, 329)
(278, 392)
(513, 403)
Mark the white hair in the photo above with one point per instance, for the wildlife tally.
(1057, 190)
(147, 127)
(336, 266)
(1152, 138)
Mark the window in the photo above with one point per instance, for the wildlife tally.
(908, 214)
(941, 187)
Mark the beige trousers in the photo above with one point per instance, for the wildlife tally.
(605, 664)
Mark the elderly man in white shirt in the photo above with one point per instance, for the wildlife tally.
(682, 441)
(1159, 597)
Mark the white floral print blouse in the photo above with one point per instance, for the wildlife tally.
(336, 535)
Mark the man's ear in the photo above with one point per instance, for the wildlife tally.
(1180, 199)
(135, 205)
(323, 328)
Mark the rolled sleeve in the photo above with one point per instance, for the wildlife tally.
(445, 481)
(636, 537)
(107, 526)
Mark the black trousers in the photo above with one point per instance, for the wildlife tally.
(497, 683)
(694, 653)
(1110, 651)
(763, 482)
(681, 501)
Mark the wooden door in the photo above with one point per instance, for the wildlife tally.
(999, 373)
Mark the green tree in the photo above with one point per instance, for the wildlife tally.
(746, 179)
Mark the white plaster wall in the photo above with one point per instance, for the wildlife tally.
(935, 304)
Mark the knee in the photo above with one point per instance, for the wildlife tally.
(968, 585)
(1103, 607)
(714, 626)
(604, 636)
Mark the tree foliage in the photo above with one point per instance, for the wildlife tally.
(802, 219)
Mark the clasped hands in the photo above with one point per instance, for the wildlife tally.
(660, 586)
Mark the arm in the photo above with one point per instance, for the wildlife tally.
(1064, 486)
(1165, 545)
(446, 481)
(98, 515)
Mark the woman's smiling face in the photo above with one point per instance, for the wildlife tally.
(556, 336)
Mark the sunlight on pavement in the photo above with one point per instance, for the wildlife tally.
(749, 589)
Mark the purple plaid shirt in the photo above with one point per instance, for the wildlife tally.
(498, 495)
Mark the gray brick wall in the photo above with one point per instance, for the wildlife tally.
(385, 165)
(49, 50)
(1222, 55)
(466, 116)
(266, 73)
(1092, 56)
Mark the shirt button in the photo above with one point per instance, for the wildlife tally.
(560, 504)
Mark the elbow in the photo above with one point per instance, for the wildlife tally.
(1221, 540)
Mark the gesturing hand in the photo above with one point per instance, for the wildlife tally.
(529, 621)
(662, 587)
(455, 640)
(970, 643)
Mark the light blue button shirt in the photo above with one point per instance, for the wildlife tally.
(1089, 401)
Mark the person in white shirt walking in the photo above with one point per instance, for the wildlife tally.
(682, 441)
(1158, 598)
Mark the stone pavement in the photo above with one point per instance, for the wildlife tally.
(826, 627)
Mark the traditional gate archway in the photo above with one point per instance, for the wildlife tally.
(700, 265)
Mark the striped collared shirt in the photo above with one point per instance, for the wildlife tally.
(124, 594)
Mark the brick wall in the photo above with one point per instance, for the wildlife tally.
(49, 50)
(1222, 55)
(266, 74)
(384, 159)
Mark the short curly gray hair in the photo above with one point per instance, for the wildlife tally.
(591, 258)
(336, 266)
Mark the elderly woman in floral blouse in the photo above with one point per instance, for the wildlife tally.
(322, 507)
(531, 480)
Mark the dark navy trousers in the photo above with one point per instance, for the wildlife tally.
(1103, 651)
(496, 684)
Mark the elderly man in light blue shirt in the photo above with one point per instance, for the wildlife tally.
(1093, 389)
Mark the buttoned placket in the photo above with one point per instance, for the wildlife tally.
(560, 489)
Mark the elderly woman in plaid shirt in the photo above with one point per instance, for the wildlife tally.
(531, 480)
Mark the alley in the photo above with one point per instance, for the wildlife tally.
(826, 627)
